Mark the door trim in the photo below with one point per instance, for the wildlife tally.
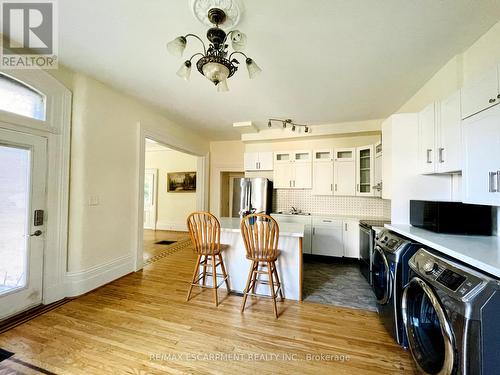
(57, 131)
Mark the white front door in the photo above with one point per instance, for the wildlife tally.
(150, 197)
(23, 169)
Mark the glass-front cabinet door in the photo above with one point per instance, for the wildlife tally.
(365, 171)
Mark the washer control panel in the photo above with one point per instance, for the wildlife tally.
(450, 275)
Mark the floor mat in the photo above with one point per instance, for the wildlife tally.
(4, 354)
(165, 242)
(336, 282)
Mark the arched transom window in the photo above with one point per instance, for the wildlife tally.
(21, 99)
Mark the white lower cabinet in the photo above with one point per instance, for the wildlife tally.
(327, 236)
(327, 239)
(351, 239)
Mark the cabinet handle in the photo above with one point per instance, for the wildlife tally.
(290, 183)
(345, 226)
(498, 96)
(498, 181)
(429, 161)
(331, 187)
(335, 187)
(492, 178)
(492, 100)
(293, 183)
(326, 221)
(441, 160)
(314, 231)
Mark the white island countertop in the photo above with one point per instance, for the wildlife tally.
(482, 252)
(233, 224)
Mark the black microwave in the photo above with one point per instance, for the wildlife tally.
(452, 217)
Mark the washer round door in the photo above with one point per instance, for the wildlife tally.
(381, 276)
(428, 330)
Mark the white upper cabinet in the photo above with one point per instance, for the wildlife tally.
(449, 135)
(258, 161)
(439, 136)
(302, 170)
(365, 172)
(426, 138)
(481, 172)
(377, 171)
(481, 94)
(293, 170)
(344, 171)
(322, 172)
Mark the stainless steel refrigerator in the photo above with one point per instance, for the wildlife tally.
(252, 195)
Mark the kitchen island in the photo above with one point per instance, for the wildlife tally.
(289, 263)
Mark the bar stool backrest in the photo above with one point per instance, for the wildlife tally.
(204, 229)
(260, 233)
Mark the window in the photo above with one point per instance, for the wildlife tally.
(18, 98)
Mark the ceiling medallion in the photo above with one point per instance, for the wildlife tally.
(232, 8)
(214, 63)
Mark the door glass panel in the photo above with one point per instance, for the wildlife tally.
(20, 99)
(344, 155)
(425, 331)
(14, 217)
(282, 157)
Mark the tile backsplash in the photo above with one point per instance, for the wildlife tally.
(284, 199)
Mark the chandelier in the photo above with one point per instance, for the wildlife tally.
(214, 63)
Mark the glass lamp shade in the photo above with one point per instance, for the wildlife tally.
(177, 46)
(238, 40)
(253, 68)
(222, 86)
(215, 72)
(185, 70)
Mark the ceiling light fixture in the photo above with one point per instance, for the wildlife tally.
(289, 122)
(214, 62)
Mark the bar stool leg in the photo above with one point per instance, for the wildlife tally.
(278, 281)
(224, 272)
(247, 287)
(214, 276)
(195, 273)
(204, 278)
(255, 275)
(271, 287)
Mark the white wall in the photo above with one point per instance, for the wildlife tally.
(172, 208)
(105, 163)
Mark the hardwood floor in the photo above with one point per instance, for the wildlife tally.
(141, 324)
(151, 248)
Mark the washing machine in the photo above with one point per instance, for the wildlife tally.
(451, 314)
(390, 273)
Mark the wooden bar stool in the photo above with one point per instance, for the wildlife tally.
(204, 229)
(261, 233)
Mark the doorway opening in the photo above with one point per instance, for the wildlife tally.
(170, 185)
(228, 208)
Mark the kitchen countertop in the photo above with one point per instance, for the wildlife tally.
(233, 224)
(482, 252)
(340, 217)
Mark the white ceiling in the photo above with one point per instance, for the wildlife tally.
(323, 61)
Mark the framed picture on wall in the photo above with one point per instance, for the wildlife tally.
(181, 182)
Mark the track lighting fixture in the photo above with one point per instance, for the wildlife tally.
(288, 122)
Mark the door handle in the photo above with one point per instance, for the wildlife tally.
(492, 178)
(441, 159)
(429, 161)
(36, 234)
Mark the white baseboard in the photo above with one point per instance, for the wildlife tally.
(81, 282)
(172, 225)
